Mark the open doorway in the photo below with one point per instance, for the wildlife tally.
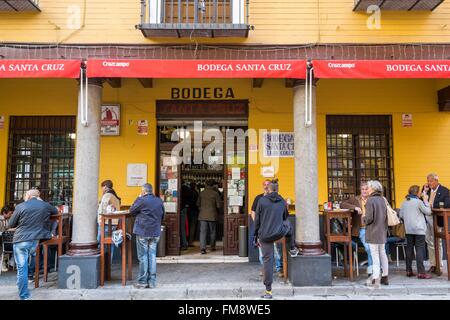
(196, 145)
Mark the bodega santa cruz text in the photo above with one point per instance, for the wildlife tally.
(226, 309)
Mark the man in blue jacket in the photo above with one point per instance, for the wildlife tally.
(32, 222)
(149, 212)
(272, 224)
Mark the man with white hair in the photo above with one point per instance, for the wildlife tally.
(32, 222)
(438, 196)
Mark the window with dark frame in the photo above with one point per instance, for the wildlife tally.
(359, 148)
(41, 155)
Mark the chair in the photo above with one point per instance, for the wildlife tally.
(7, 246)
(285, 259)
(61, 238)
(397, 245)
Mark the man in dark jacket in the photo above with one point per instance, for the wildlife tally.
(271, 225)
(437, 194)
(149, 212)
(32, 222)
(209, 203)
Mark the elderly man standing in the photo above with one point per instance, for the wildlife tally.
(358, 205)
(32, 222)
(149, 212)
(437, 194)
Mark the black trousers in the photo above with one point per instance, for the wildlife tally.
(418, 242)
(268, 257)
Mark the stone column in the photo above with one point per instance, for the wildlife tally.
(80, 267)
(87, 161)
(312, 267)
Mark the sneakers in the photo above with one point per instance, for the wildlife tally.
(203, 251)
(267, 294)
(424, 276)
(152, 286)
(5, 268)
(293, 252)
(376, 283)
(138, 285)
(369, 281)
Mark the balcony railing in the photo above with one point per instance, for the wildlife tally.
(199, 18)
(399, 5)
(19, 5)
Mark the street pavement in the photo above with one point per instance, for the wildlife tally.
(224, 281)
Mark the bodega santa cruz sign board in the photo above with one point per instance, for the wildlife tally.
(278, 144)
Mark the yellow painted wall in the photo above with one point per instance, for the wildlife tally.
(417, 150)
(275, 22)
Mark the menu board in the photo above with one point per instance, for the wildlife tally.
(168, 183)
(236, 177)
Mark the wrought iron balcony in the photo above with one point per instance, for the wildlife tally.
(399, 5)
(19, 5)
(194, 18)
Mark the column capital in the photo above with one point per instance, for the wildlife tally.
(96, 81)
(302, 82)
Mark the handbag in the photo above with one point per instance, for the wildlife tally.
(392, 216)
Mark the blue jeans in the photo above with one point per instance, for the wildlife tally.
(22, 253)
(146, 251)
(388, 242)
(362, 237)
(276, 252)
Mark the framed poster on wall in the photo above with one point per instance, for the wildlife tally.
(278, 144)
(110, 120)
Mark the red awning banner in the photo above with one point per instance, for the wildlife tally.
(40, 68)
(381, 69)
(196, 69)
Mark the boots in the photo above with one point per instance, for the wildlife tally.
(384, 281)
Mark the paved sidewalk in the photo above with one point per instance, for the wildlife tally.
(234, 281)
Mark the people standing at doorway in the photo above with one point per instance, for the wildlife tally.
(186, 205)
(149, 212)
(414, 213)
(31, 220)
(438, 196)
(358, 205)
(272, 224)
(209, 204)
(193, 214)
(376, 233)
(110, 202)
(278, 258)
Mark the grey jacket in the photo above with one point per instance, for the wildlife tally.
(413, 213)
(32, 220)
(376, 219)
(209, 203)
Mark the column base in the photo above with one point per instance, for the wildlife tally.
(310, 248)
(310, 271)
(83, 249)
(79, 272)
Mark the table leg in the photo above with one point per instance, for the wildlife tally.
(102, 252)
(130, 261)
(345, 259)
(36, 268)
(436, 245)
(124, 253)
(350, 259)
(447, 242)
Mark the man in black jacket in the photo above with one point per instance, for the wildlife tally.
(32, 222)
(271, 225)
(438, 195)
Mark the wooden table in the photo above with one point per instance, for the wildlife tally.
(444, 235)
(345, 237)
(106, 239)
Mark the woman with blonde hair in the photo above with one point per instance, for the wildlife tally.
(376, 233)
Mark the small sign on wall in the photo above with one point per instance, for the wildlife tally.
(2, 122)
(268, 172)
(110, 120)
(142, 127)
(136, 174)
(407, 120)
(278, 144)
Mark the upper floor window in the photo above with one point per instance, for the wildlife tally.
(19, 5)
(198, 18)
